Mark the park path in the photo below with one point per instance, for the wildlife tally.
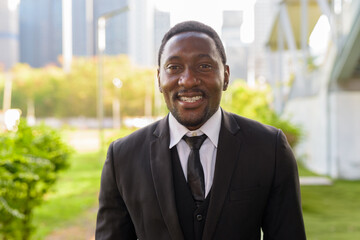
(84, 140)
(72, 233)
(82, 229)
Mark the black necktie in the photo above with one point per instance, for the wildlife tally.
(195, 173)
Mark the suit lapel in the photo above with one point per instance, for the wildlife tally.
(160, 160)
(227, 155)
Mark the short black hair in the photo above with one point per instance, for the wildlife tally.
(193, 26)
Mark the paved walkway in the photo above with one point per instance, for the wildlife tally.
(82, 229)
(84, 140)
(315, 181)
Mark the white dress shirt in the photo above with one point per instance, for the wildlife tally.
(208, 149)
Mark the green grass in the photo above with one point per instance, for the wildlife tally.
(332, 212)
(74, 195)
(304, 172)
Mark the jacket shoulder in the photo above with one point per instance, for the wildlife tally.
(252, 131)
(138, 137)
(250, 125)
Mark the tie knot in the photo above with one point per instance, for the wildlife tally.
(195, 142)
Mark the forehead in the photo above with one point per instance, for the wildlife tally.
(189, 44)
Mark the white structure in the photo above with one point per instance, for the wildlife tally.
(324, 100)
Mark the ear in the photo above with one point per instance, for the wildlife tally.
(226, 77)
(158, 78)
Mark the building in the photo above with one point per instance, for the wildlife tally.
(117, 26)
(130, 32)
(237, 52)
(40, 32)
(83, 28)
(265, 13)
(161, 26)
(9, 34)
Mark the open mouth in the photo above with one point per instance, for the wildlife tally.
(190, 99)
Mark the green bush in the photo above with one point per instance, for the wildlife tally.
(30, 160)
(255, 103)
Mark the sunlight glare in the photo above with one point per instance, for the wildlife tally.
(13, 4)
(320, 36)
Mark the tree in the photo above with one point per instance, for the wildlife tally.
(255, 103)
(57, 94)
(38, 86)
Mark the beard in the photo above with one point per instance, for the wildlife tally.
(192, 120)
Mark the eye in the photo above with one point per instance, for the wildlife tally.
(173, 68)
(205, 67)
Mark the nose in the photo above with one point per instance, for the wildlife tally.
(188, 79)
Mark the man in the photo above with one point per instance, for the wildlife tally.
(155, 187)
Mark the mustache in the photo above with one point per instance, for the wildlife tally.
(192, 91)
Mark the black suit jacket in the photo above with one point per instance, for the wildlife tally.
(255, 186)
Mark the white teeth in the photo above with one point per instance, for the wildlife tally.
(190, 99)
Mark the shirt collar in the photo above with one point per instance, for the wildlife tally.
(211, 128)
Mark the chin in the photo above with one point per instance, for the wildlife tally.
(190, 121)
(191, 124)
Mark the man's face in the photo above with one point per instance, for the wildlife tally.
(192, 77)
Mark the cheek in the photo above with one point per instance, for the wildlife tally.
(167, 84)
(216, 92)
(165, 88)
(217, 87)
(162, 79)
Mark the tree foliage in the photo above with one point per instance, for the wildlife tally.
(74, 94)
(255, 103)
(30, 160)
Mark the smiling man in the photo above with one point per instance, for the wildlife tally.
(201, 172)
(192, 77)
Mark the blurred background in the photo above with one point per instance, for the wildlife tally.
(78, 74)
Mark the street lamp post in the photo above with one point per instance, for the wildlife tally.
(101, 46)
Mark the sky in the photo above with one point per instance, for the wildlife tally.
(208, 11)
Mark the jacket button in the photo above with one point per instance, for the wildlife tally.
(199, 217)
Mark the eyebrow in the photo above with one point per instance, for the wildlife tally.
(200, 56)
(171, 58)
(204, 55)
